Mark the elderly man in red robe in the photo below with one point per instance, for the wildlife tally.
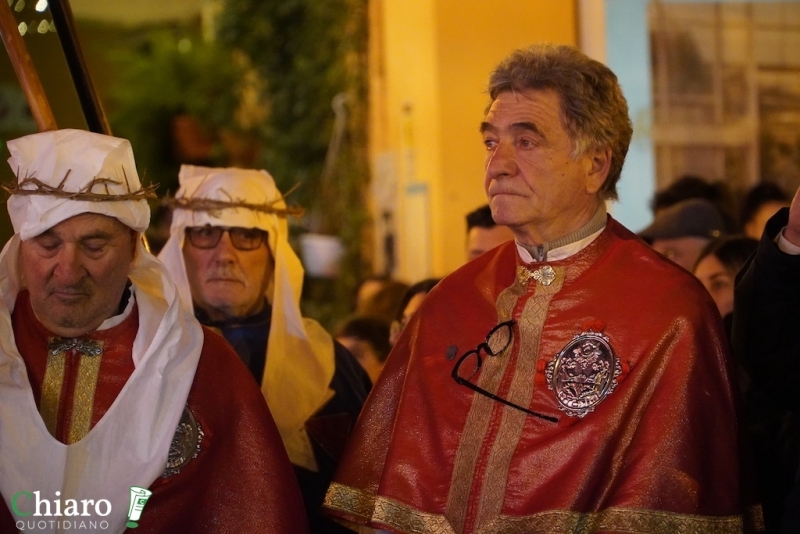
(572, 380)
(117, 409)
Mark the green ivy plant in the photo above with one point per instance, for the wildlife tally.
(165, 73)
(306, 52)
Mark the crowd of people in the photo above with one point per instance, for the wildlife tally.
(571, 376)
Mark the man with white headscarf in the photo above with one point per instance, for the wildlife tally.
(108, 384)
(229, 254)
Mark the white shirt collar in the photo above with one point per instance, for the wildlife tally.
(560, 253)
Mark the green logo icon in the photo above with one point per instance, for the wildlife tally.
(139, 498)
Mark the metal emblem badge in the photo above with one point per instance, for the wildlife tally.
(583, 373)
(185, 444)
(545, 274)
(87, 347)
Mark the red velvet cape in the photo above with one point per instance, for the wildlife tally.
(241, 479)
(658, 454)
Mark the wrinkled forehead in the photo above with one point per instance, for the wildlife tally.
(86, 225)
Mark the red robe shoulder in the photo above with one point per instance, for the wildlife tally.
(657, 453)
(241, 479)
(228, 469)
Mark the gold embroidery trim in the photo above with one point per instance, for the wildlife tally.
(389, 512)
(614, 520)
(754, 519)
(83, 397)
(477, 422)
(51, 390)
(530, 326)
(405, 518)
(351, 500)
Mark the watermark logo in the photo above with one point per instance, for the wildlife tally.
(139, 498)
(69, 514)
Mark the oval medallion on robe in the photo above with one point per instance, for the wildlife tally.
(185, 443)
(583, 373)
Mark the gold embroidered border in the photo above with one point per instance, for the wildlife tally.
(615, 520)
(383, 510)
(477, 422)
(531, 324)
(404, 518)
(83, 396)
(351, 500)
(397, 515)
(754, 519)
(51, 390)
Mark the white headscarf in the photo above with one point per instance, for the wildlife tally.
(130, 444)
(300, 364)
(72, 160)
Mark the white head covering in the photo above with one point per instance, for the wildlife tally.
(95, 168)
(129, 445)
(299, 365)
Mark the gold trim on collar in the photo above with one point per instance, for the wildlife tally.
(477, 484)
(52, 385)
(83, 396)
(87, 374)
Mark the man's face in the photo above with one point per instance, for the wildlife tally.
(532, 183)
(76, 272)
(682, 250)
(227, 282)
(480, 239)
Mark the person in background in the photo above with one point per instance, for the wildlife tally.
(717, 266)
(367, 339)
(483, 234)
(378, 297)
(230, 257)
(107, 381)
(572, 379)
(760, 203)
(412, 300)
(766, 309)
(681, 231)
(690, 186)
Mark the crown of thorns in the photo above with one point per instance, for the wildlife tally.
(212, 205)
(85, 193)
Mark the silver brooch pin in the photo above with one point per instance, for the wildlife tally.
(545, 274)
(583, 373)
(87, 347)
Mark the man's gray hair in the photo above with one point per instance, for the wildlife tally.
(593, 109)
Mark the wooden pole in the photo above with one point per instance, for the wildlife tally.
(26, 72)
(87, 95)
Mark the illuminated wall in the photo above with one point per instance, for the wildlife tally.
(430, 60)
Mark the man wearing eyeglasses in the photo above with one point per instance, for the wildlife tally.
(570, 381)
(229, 254)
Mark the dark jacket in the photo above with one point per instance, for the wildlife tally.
(766, 343)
